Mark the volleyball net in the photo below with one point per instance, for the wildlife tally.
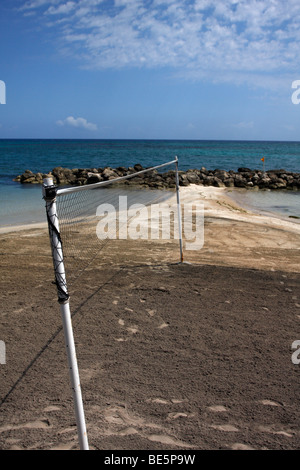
(81, 221)
(117, 208)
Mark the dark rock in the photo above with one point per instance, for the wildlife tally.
(229, 182)
(183, 181)
(121, 170)
(244, 170)
(29, 180)
(264, 182)
(221, 174)
(208, 180)
(27, 175)
(240, 181)
(192, 177)
(64, 175)
(243, 178)
(81, 181)
(94, 178)
(108, 174)
(138, 167)
(218, 183)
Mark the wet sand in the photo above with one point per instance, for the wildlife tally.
(174, 356)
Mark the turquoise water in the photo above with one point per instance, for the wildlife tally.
(284, 203)
(24, 204)
(43, 155)
(21, 204)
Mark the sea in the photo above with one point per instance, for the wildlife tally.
(23, 204)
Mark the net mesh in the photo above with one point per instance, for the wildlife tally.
(80, 212)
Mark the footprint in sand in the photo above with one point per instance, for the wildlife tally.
(172, 415)
(39, 424)
(294, 297)
(221, 427)
(163, 401)
(239, 446)
(130, 329)
(50, 408)
(270, 403)
(151, 312)
(123, 423)
(225, 427)
(66, 446)
(268, 429)
(162, 325)
(217, 408)
(164, 439)
(20, 310)
(158, 400)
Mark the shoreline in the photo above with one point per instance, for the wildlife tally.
(234, 208)
(233, 234)
(215, 198)
(22, 227)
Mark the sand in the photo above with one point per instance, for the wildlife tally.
(193, 356)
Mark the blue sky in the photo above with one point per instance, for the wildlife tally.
(150, 69)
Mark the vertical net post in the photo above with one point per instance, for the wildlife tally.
(179, 211)
(49, 194)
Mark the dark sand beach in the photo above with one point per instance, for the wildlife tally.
(171, 356)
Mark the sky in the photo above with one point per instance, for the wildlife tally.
(150, 69)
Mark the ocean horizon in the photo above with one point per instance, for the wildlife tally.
(23, 204)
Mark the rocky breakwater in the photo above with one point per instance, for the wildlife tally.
(243, 178)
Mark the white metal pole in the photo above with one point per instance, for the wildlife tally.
(63, 298)
(179, 211)
(74, 376)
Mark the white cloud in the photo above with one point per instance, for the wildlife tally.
(33, 4)
(197, 38)
(65, 8)
(80, 123)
